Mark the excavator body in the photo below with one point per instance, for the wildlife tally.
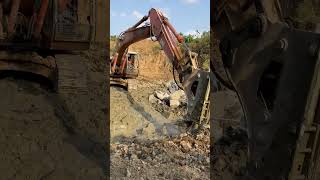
(131, 71)
(131, 67)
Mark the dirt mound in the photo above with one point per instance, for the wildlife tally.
(42, 136)
(184, 157)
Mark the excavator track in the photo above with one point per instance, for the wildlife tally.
(72, 74)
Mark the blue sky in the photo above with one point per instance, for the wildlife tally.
(187, 16)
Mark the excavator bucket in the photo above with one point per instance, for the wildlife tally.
(195, 86)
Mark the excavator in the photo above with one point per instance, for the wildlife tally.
(40, 42)
(191, 78)
(271, 60)
(34, 32)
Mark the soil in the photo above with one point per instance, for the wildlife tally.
(42, 136)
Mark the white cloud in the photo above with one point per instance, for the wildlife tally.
(137, 14)
(123, 14)
(194, 33)
(190, 1)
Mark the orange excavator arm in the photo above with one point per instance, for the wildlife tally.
(194, 80)
(166, 35)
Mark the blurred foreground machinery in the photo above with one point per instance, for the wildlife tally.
(271, 60)
(34, 32)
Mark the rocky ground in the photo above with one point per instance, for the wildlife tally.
(182, 157)
(228, 140)
(149, 137)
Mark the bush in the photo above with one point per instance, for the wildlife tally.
(201, 46)
(113, 38)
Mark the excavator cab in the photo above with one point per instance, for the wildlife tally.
(132, 64)
(130, 70)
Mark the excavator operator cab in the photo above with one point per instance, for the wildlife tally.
(132, 68)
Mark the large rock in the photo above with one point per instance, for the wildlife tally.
(172, 86)
(175, 103)
(162, 95)
(179, 96)
(186, 146)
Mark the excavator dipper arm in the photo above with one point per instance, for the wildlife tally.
(127, 38)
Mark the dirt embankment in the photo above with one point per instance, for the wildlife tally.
(153, 64)
(42, 136)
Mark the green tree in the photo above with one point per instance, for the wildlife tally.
(201, 46)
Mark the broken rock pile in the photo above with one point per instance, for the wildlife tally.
(172, 96)
(183, 157)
